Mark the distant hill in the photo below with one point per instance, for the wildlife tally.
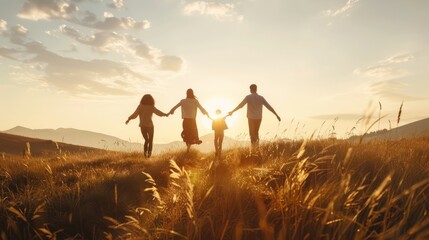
(107, 142)
(415, 129)
(77, 137)
(13, 144)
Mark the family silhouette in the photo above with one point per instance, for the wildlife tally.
(189, 107)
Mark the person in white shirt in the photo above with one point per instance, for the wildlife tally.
(189, 107)
(254, 103)
(145, 110)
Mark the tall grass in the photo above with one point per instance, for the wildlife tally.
(324, 189)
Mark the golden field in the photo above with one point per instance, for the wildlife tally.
(317, 189)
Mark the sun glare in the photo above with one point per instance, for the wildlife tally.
(224, 105)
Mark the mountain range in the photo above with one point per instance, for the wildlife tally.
(19, 145)
(415, 129)
(107, 142)
(13, 140)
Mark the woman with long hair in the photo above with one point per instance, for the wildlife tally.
(189, 107)
(145, 110)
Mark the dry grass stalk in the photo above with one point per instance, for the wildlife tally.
(399, 114)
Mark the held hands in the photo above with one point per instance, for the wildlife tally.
(208, 116)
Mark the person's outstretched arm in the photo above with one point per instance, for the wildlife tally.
(239, 106)
(134, 115)
(159, 113)
(268, 106)
(175, 107)
(202, 109)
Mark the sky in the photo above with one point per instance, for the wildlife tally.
(322, 65)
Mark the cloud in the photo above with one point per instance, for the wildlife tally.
(219, 11)
(8, 53)
(381, 71)
(392, 89)
(75, 76)
(3, 25)
(59, 9)
(389, 78)
(116, 4)
(401, 58)
(111, 22)
(102, 41)
(105, 41)
(46, 9)
(17, 34)
(333, 13)
(386, 68)
(171, 63)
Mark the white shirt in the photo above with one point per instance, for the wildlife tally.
(254, 103)
(189, 108)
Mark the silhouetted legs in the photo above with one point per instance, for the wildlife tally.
(254, 125)
(147, 133)
(218, 140)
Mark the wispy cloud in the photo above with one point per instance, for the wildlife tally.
(47, 9)
(401, 58)
(110, 22)
(87, 77)
(393, 89)
(219, 11)
(17, 34)
(57, 9)
(389, 78)
(116, 4)
(386, 68)
(110, 41)
(106, 41)
(3, 25)
(73, 73)
(342, 10)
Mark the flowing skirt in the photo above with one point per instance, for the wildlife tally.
(190, 131)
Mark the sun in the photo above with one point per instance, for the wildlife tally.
(224, 105)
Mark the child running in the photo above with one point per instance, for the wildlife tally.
(219, 126)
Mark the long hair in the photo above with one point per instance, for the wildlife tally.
(147, 99)
(190, 94)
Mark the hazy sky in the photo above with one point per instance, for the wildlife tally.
(86, 63)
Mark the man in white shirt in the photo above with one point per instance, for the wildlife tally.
(254, 103)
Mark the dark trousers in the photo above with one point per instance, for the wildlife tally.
(254, 125)
(147, 133)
